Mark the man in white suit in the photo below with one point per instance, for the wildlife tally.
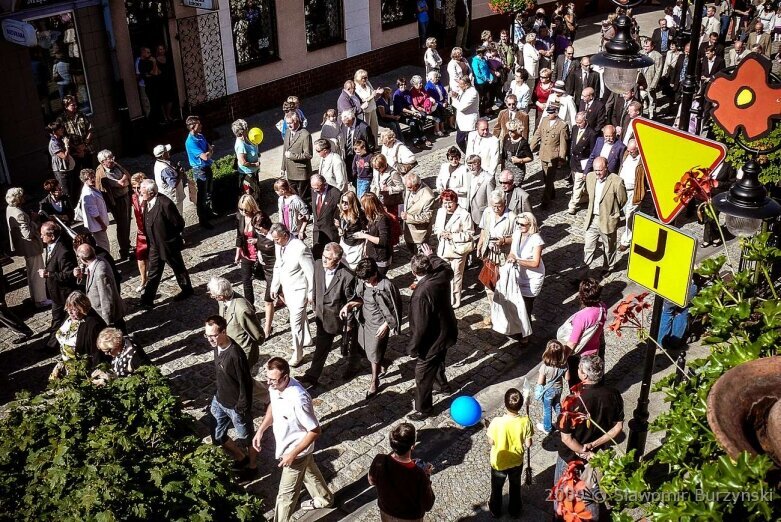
(485, 145)
(467, 106)
(332, 166)
(294, 276)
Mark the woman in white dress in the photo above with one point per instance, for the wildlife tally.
(396, 152)
(431, 57)
(457, 68)
(351, 220)
(454, 230)
(454, 175)
(367, 94)
(531, 59)
(526, 254)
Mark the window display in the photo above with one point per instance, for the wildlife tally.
(324, 23)
(397, 12)
(57, 66)
(254, 32)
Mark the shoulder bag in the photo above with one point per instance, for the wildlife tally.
(565, 330)
(403, 168)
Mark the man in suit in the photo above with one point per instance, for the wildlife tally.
(59, 260)
(163, 226)
(467, 106)
(332, 167)
(710, 65)
(650, 76)
(633, 175)
(759, 37)
(433, 329)
(243, 326)
(711, 41)
(297, 155)
(711, 22)
(418, 212)
(596, 116)
(551, 138)
(294, 276)
(662, 36)
(583, 140)
(736, 54)
(565, 64)
(485, 145)
(679, 72)
(509, 114)
(355, 129)
(515, 198)
(100, 286)
(607, 147)
(633, 111)
(480, 186)
(349, 100)
(581, 78)
(325, 202)
(334, 287)
(606, 198)
(618, 105)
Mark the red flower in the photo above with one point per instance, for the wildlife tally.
(745, 99)
(629, 312)
(695, 183)
(568, 493)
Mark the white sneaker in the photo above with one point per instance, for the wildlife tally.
(541, 428)
(140, 288)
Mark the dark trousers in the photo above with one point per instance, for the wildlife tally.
(461, 137)
(251, 270)
(10, 320)
(484, 92)
(58, 314)
(204, 180)
(415, 127)
(155, 273)
(324, 342)
(121, 212)
(549, 171)
(497, 484)
(429, 372)
(529, 302)
(301, 186)
(70, 184)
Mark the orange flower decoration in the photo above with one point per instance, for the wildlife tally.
(630, 312)
(695, 183)
(745, 99)
(570, 492)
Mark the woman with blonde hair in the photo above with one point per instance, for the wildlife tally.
(367, 94)
(457, 68)
(77, 336)
(398, 156)
(26, 242)
(142, 247)
(526, 254)
(531, 59)
(293, 212)
(247, 256)
(351, 220)
(126, 357)
(378, 232)
(431, 58)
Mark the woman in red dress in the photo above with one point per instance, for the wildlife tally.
(541, 92)
(142, 249)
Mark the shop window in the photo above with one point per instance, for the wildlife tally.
(57, 64)
(254, 25)
(395, 13)
(324, 23)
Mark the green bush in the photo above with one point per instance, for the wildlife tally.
(125, 451)
(736, 156)
(225, 194)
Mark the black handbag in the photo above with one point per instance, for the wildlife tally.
(349, 335)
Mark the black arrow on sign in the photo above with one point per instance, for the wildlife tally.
(654, 255)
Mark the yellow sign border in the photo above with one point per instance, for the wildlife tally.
(671, 230)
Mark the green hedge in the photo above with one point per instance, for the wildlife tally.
(125, 451)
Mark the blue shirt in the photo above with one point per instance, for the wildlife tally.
(250, 152)
(401, 100)
(196, 145)
(422, 15)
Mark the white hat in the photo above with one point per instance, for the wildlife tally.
(558, 86)
(158, 150)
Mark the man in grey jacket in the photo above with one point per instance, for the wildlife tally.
(100, 286)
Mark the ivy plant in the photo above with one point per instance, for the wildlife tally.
(124, 451)
(690, 477)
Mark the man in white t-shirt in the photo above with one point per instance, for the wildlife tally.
(632, 172)
(295, 426)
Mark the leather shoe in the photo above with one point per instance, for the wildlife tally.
(184, 294)
(145, 305)
(417, 416)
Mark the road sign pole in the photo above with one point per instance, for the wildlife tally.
(638, 426)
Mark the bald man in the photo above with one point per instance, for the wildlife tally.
(100, 286)
(596, 116)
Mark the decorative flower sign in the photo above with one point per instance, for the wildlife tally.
(745, 99)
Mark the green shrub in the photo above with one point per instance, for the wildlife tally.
(125, 451)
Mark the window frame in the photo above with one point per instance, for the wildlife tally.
(274, 44)
(386, 26)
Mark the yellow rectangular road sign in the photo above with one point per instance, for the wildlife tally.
(661, 258)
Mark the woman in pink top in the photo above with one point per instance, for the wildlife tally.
(593, 312)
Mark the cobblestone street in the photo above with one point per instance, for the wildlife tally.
(483, 363)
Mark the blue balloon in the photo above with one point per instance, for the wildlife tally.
(466, 411)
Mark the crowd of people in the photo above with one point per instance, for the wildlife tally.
(331, 240)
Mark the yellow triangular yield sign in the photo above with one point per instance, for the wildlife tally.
(667, 153)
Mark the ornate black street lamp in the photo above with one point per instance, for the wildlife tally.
(746, 205)
(621, 58)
